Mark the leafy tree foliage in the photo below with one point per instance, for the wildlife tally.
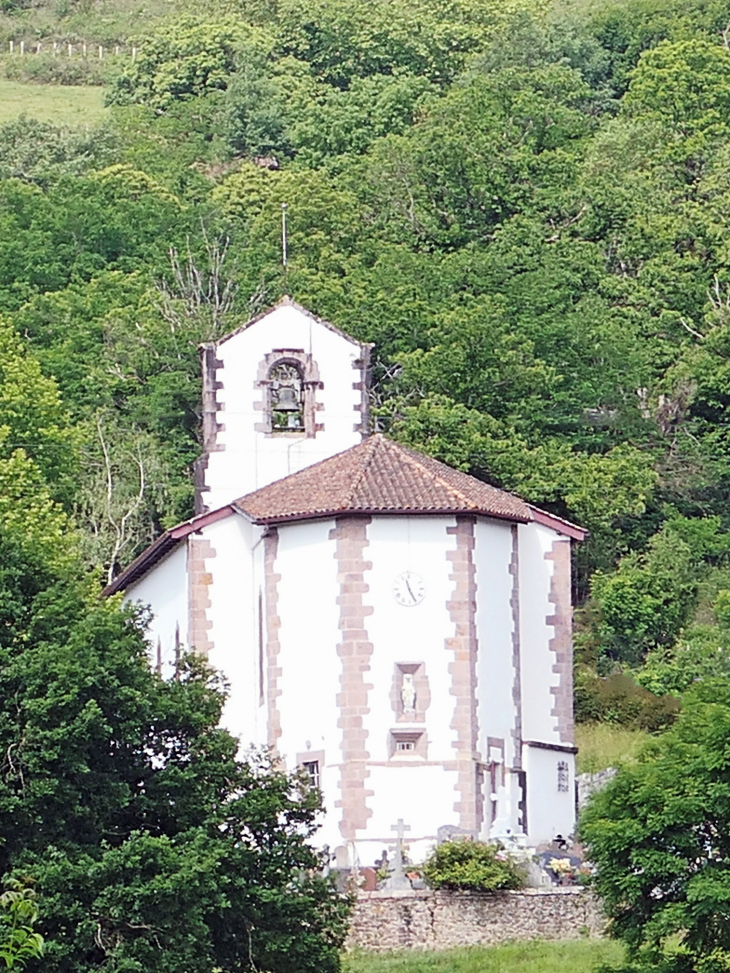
(183, 60)
(523, 206)
(149, 842)
(657, 834)
(18, 940)
(41, 153)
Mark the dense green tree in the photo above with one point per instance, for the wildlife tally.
(148, 840)
(184, 59)
(42, 153)
(658, 837)
(342, 40)
(33, 421)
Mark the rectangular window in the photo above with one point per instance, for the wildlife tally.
(312, 763)
(407, 743)
(312, 768)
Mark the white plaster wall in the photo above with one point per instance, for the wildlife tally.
(537, 661)
(252, 459)
(233, 612)
(165, 590)
(309, 663)
(423, 795)
(549, 811)
(258, 586)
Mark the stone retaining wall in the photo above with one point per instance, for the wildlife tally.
(390, 920)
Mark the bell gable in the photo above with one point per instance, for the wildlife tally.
(283, 392)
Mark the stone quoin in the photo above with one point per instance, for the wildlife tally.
(400, 629)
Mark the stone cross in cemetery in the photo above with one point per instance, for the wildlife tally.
(398, 879)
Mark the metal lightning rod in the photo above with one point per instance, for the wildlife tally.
(283, 234)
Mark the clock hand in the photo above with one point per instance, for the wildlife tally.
(408, 585)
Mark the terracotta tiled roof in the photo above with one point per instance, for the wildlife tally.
(379, 476)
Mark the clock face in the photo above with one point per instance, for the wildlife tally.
(409, 589)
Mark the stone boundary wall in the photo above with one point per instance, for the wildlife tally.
(390, 920)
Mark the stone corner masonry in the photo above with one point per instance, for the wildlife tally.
(355, 651)
(561, 644)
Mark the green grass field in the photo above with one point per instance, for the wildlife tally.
(61, 104)
(602, 745)
(581, 956)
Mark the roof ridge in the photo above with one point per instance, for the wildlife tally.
(371, 442)
(413, 457)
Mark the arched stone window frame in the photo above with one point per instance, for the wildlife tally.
(311, 383)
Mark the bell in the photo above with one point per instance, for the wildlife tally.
(287, 400)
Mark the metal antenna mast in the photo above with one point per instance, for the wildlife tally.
(283, 234)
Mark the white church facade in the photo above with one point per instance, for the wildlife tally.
(396, 627)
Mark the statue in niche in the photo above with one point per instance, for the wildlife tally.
(286, 398)
(408, 693)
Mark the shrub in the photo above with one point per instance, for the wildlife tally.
(619, 699)
(185, 59)
(647, 600)
(702, 653)
(471, 865)
(46, 69)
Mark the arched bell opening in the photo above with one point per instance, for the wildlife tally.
(286, 397)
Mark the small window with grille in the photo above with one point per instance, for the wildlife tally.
(312, 768)
(407, 743)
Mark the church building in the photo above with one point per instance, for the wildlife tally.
(397, 628)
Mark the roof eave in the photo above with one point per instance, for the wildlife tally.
(163, 546)
(559, 524)
(151, 556)
(379, 512)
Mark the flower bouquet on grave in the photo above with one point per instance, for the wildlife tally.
(563, 869)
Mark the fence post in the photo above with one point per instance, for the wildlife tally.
(84, 49)
(22, 48)
(134, 53)
(11, 46)
(70, 50)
